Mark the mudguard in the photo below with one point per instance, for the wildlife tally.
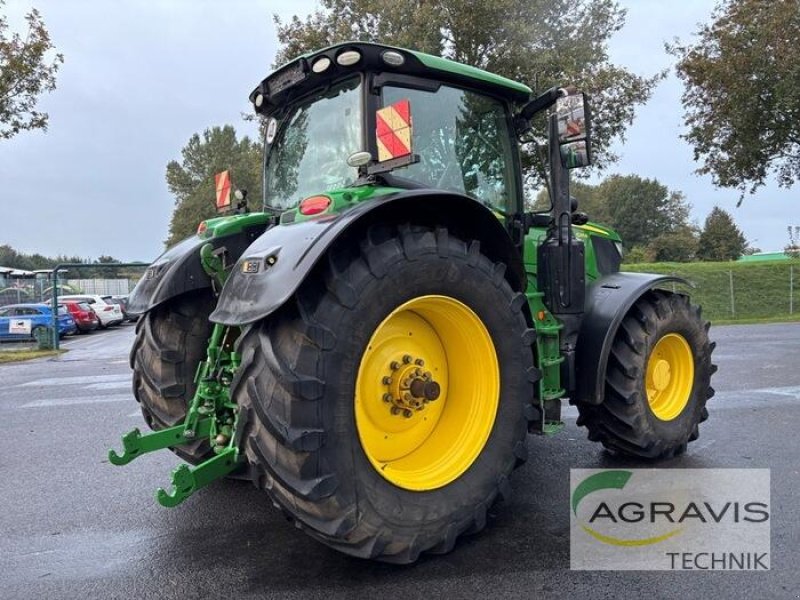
(179, 269)
(275, 265)
(608, 300)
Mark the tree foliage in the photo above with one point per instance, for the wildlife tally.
(652, 220)
(26, 72)
(742, 93)
(539, 42)
(642, 209)
(720, 239)
(13, 259)
(191, 180)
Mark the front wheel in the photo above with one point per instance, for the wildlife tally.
(385, 407)
(658, 380)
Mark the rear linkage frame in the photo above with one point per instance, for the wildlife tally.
(211, 415)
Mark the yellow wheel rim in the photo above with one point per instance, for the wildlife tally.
(429, 346)
(670, 376)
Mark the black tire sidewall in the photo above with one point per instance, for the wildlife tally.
(381, 501)
(678, 430)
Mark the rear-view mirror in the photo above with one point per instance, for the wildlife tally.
(573, 119)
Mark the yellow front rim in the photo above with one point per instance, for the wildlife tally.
(670, 376)
(429, 346)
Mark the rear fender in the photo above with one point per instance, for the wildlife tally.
(179, 269)
(608, 300)
(275, 265)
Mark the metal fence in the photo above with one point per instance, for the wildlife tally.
(25, 290)
(116, 279)
(768, 290)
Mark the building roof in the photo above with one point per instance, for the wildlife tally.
(763, 256)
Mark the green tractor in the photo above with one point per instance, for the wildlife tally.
(373, 348)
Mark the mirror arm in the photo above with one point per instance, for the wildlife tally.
(545, 100)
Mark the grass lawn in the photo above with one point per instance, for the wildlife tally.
(8, 356)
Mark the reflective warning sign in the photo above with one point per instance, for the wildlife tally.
(393, 130)
(223, 185)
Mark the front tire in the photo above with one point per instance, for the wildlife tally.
(320, 430)
(658, 380)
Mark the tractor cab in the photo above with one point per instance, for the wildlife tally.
(360, 113)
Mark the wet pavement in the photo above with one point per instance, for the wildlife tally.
(73, 526)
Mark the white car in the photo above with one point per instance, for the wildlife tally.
(108, 312)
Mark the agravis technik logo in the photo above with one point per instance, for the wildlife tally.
(715, 519)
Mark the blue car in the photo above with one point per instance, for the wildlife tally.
(21, 321)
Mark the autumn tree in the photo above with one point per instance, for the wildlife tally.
(539, 42)
(720, 239)
(191, 180)
(742, 93)
(27, 70)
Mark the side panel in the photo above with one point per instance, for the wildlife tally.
(272, 269)
(608, 300)
(179, 269)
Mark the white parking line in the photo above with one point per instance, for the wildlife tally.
(73, 401)
(110, 385)
(77, 380)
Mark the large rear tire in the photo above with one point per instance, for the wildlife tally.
(658, 380)
(386, 405)
(171, 340)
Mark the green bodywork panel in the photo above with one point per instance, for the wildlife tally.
(450, 66)
(435, 63)
(230, 224)
(341, 199)
(548, 328)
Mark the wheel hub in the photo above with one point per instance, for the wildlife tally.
(669, 377)
(409, 387)
(661, 375)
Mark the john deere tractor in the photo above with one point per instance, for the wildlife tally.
(374, 346)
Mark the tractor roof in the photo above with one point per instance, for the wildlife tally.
(315, 69)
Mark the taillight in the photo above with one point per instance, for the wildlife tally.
(314, 205)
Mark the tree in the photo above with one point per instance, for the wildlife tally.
(742, 93)
(642, 209)
(26, 72)
(792, 249)
(539, 42)
(674, 246)
(720, 239)
(191, 181)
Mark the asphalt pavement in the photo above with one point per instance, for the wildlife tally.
(74, 526)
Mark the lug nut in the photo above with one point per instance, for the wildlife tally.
(419, 362)
(407, 358)
(407, 413)
(387, 398)
(387, 381)
(396, 410)
(394, 365)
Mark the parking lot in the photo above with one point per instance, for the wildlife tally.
(75, 526)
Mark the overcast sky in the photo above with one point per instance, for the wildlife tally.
(140, 78)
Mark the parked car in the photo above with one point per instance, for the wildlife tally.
(109, 314)
(123, 304)
(21, 321)
(85, 318)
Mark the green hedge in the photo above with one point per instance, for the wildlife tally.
(761, 290)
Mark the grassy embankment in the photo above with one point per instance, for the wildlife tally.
(760, 289)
